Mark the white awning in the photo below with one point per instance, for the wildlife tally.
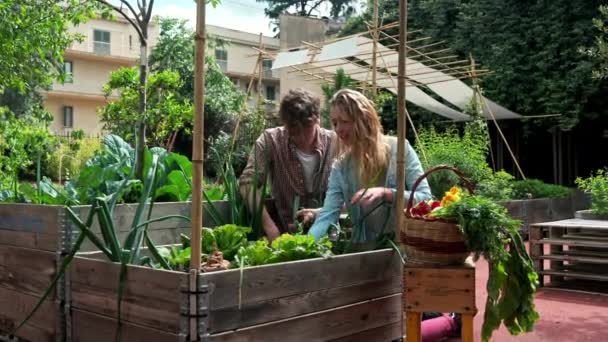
(359, 51)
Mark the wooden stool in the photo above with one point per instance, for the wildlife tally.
(429, 288)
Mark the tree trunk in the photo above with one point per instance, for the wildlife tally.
(141, 128)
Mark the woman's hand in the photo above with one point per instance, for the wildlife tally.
(365, 197)
(305, 217)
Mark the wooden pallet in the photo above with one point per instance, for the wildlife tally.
(578, 250)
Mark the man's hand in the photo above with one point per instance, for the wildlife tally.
(307, 216)
(272, 233)
(270, 228)
(365, 197)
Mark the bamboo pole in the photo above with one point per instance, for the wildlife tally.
(198, 135)
(375, 49)
(401, 123)
(260, 72)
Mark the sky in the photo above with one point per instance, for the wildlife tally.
(242, 15)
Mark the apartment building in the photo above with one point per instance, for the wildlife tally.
(107, 46)
(237, 56)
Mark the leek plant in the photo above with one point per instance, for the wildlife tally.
(239, 214)
(126, 253)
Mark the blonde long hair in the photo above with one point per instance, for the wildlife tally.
(369, 149)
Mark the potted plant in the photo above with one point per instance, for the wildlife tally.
(597, 186)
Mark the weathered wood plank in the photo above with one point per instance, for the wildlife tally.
(90, 327)
(536, 250)
(27, 332)
(124, 213)
(324, 325)
(384, 333)
(576, 223)
(151, 297)
(31, 218)
(162, 232)
(27, 270)
(583, 243)
(291, 306)
(573, 274)
(538, 210)
(16, 305)
(427, 289)
(515, 208)
(287, 279)
(561, 208)
(45, 242)
(31, 226)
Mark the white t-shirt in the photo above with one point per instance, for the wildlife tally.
(310, 165)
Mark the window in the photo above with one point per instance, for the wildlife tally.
(221, 56)
(101, 42)
(130, 42)
(267, 67)
(270, 93)
(68, 116)
(68, 70)
(235, 81)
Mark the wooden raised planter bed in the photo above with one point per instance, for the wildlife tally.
(33, 241)
(344, 298)
(546, 209)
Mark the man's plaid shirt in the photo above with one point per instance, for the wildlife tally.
(275, 153)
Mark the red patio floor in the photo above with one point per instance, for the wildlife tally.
(564, 315)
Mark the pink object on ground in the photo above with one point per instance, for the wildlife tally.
(437, 329)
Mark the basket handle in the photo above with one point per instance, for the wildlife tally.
(467, 183)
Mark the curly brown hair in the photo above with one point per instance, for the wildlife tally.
(299, 108)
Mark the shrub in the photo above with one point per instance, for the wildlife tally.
(534, 188)
(73, 156)
(498, 186)
(597, 186)
(467, 153)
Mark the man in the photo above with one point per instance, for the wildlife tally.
(296, 157)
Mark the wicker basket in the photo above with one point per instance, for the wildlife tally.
(437, 242)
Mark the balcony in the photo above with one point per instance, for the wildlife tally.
(101, 48)
(105, 49)
(223, 64)
(269, 73)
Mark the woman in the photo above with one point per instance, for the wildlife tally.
(365, 173)
(363, 177)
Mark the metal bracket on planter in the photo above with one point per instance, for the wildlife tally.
(203, 308)
(68, 236)
(69, 232)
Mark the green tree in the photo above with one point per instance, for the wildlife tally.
(167, 112)
(33, 38)
(341, 81)
(23, 141)
(139, 15)
(224, 103)
(599, 52)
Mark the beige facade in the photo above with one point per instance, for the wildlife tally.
(107, 46)
(294, 31)
(238, 58)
